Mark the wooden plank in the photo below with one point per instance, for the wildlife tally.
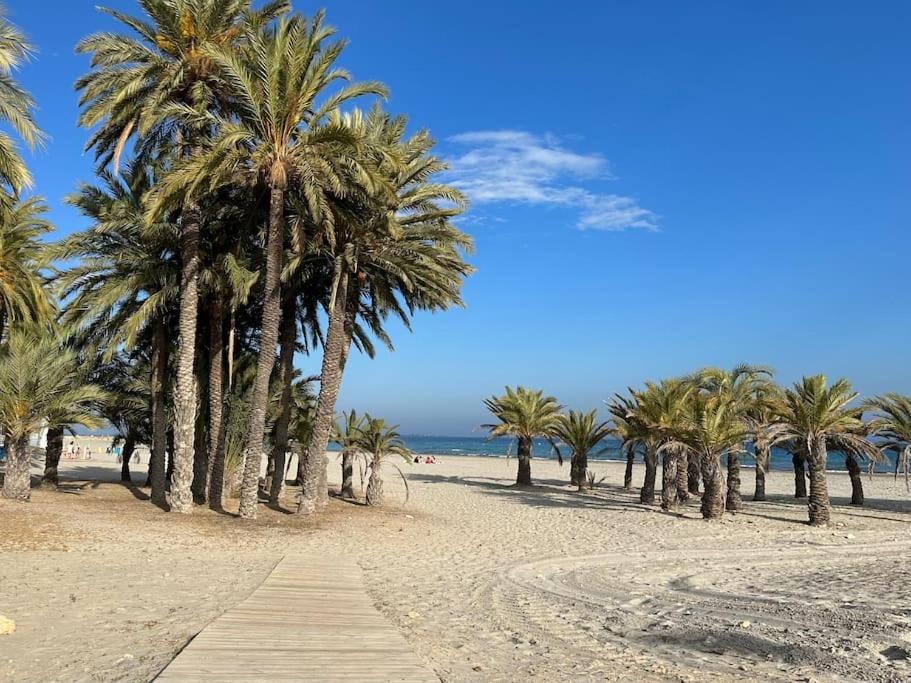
(310, 620)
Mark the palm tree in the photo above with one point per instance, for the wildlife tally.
(635, 434)
(891, 425)
(277, 134)
(659, 409)
(40, 382)
(133, 80)
(581, 433)
(395, 251)
(524, 414)
(760, 417)
(123, 290)
(741, 386)
(818, 415)
(380, 442)
(16, 107)
(22, 295)
(347, 434)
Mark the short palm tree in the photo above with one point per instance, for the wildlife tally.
(16, 107)
(891, 424)
(582, 434)
(22, 223)
(816, 414)
(760, 417)
(381, 443)
(523, 414)
(40, 382)
(346, 434)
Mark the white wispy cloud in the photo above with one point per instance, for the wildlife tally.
(518, 166)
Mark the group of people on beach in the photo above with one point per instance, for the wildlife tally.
(428, 460)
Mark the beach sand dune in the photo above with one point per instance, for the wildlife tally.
(487, 582)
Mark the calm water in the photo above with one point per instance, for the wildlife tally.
(497, 448)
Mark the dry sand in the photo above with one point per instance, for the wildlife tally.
(488, 582)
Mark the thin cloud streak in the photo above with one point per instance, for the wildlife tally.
(517, 166)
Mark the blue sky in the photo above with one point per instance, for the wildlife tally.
(656, 186)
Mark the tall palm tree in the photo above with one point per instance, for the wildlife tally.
(582, 433)
(40, 381)
(347, 434)
(123, 289)
(381, 442)
(891, 425)
(635, 434)
(16, 109)
(22, 223)
(133, 80)
(394, 250)
(524, 414)
(817, 414)
(278, 135)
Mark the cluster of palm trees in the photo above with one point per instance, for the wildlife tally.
(700, 426)
(245, 211)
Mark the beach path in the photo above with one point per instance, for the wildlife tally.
(310, 620)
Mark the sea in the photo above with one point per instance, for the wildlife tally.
(478, 446)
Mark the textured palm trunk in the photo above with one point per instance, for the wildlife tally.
(647, 492)
(200, 486)
(286, 370)
(375, 486)
(129, 447)
(857, 485)
(253, 450)
(762, 466)
(523, 477)
(185, 389)
(713, 486)
(347, 490)
(330, 383)
(216, 405)
(52, 454)
(800, 475)
(693, 475)
(17, 477)
(669, 481)
(157, 475)
(734, 501)
(820, 511)
(578, 467)
(683, 493)
(628, 472)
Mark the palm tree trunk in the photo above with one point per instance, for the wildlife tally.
(647, 493)
(375, 486)
(820, 510)
(253, 451)
(762, 466)
(286, 369)
(330, 383)
(734, 501)
(216, 404)
(200, 486)
(628, 472)
(578, 466)
(347, 490)
(857, 485)
(157, 474)
(52, 455)
(800, 475)
(693, 475)
(129, 447)
(683, 493)
(185, 390)
(523, 477)
(17, 478)
(669, 481)
(713, 486)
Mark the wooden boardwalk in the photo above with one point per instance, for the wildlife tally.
(310, 620)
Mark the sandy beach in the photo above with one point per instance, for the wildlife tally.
(487, 582)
